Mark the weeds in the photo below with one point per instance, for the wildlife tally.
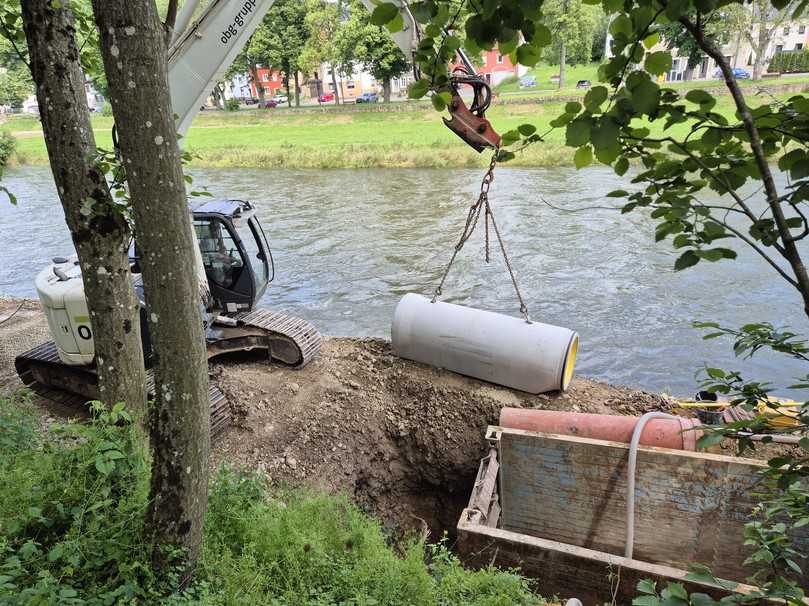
(71, 534)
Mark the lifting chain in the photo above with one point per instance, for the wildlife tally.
(482, 205)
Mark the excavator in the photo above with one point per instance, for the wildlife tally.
(234, 264)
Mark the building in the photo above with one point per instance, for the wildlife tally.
(271, 80)
(496, 67)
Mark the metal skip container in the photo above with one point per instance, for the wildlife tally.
(509, 351)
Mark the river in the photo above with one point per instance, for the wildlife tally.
(349, 243)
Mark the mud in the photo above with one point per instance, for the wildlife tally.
(402, 439)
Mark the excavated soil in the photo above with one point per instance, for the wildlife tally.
(402, 439)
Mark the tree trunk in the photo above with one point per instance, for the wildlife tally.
(386, 90)
(297, 90)
(760, 48)
(101, 238)
(334, 84)
(736, 52)
(216, 93)
(257, 83)
(562, 60)
(134, 53)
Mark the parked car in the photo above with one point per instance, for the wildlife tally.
(738, 72)
(528, 82)
(280, 99)
(368, 98)
(326, 97)
(583, 84)
(269, 104)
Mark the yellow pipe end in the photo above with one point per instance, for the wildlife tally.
(570, 362)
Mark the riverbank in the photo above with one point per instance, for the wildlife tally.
(403, 440)
(406, 135)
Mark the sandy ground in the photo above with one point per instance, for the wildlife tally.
(403, 439)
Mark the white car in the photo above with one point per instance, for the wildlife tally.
(280, 99)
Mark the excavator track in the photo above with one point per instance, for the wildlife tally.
(289, 340)
(73, 386)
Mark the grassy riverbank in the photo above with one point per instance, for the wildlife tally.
(410, 135)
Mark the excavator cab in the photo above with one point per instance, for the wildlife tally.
(235, 253)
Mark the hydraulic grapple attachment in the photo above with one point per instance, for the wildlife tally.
(470, 123)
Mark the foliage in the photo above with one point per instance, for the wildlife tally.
(72, 506)
(302, 548)
(7, 146)
(791, 61)
(574, 22)
(232, 105)
(71, 509)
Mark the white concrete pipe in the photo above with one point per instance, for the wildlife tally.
(494, 347)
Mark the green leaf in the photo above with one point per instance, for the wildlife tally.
(396, 24)
(646, 97)
(700, 97)
(646, 600)
(526, 130)
(578, 132)
(677, 591)
(800, 169)
(384, 13)
(688, 259)
(542, 35)
(647, 586)
(595, 97)
(658, 63)
(652, 39)
(583, 157)
(702, 599)
(618, 193)
(528, 55)
(621, 166)
(438, 102)
(510, 137)
(572, 107)
(418, 89)
(709, 439)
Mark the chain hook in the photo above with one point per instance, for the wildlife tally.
(482, 205)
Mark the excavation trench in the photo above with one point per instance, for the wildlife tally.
(402, 439)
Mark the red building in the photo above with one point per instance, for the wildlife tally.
(270, 80)
(496, 67)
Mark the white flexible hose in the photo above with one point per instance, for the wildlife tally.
(630, 471)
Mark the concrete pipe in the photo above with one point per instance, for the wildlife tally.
(502, 349)
(677, 433)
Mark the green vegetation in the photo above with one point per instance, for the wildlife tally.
(794, 61)
(414, 136)
(72, 503)
(543, 73)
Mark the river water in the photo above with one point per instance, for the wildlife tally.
(349, 243)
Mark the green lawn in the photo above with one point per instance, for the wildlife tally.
(411, 137)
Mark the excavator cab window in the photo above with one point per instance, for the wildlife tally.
(221, 256)
(257, 252)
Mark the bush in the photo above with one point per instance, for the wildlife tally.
(232, 105)
(790, 62)
(106, 110)
(71, 511)
(71, 534)
(7, 146)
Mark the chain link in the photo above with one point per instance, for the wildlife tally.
(482, 205)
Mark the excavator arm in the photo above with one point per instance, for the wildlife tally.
(202, 52)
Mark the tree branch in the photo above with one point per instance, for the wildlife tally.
(171, 21)
(790, 253)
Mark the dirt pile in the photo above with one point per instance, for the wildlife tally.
(403, 439)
